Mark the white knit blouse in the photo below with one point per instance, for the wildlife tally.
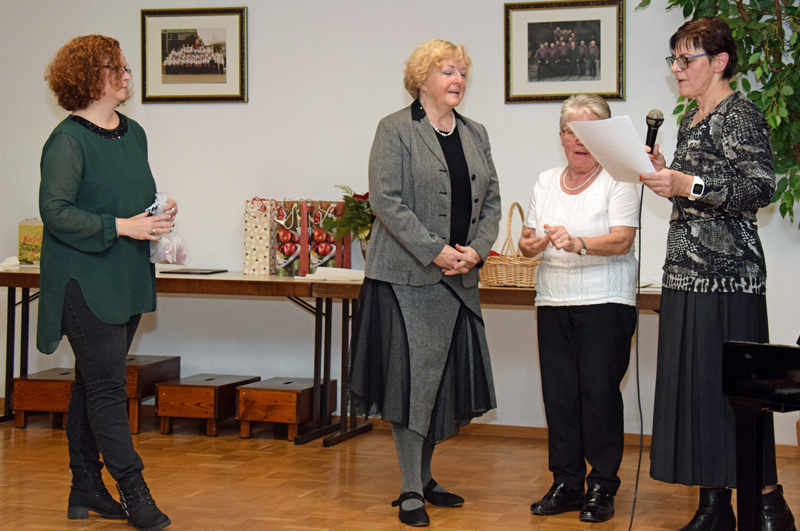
(569, 279)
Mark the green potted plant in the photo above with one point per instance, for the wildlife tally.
(356, 217)
(769, 68)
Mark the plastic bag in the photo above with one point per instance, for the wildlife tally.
(170, 249)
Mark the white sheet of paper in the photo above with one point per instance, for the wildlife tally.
(615, 145)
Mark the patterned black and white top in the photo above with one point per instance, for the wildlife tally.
(713, 243)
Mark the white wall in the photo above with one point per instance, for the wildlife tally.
(321, 75)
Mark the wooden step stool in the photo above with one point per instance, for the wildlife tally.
(42, 391)
(202, 396)
(280, 400)
(143, 373)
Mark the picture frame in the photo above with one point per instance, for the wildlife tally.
(194, 55)
(535, 76)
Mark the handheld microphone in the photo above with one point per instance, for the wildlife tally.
(654, 120)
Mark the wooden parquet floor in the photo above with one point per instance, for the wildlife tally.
(267, 483)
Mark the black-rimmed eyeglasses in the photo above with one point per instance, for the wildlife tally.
(121, 69)
(683, 62)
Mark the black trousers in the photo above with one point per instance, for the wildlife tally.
(97, 418)
(584, 353)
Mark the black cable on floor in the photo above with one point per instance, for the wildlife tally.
(636, 350)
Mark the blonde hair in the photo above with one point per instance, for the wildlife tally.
(428, 56)
(581, 105)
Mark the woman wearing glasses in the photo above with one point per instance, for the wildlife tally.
(583, 223)
(714, 278)
(96, 275)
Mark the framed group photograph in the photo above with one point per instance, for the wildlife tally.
(556, 49)
(194, 55)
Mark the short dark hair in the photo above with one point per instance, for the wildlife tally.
(710, 34)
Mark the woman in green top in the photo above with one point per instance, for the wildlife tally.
(96, 275)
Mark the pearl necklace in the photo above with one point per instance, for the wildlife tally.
(564, 179)
(452, 128)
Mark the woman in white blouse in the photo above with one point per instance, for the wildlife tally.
(583, 223)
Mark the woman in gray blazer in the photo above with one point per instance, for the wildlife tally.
(419, 356)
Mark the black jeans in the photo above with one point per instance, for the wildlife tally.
(97, 419)
(583, 355)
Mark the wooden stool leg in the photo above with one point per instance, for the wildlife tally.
(134, 406)
(20, 419)
(245, 429)
(59, 420)
(212, 427)
(292, 429)
(166, 425)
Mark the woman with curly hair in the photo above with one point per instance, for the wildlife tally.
(96, 275)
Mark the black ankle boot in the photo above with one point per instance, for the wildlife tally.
(775, 513)
(715, 512)
(139, 506)
(89, 493)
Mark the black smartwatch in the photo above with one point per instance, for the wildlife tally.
(698, 187)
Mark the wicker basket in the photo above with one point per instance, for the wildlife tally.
(510, 268)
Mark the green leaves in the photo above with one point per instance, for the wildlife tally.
(356, 217)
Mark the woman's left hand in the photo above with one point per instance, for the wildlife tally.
(561, 239)
(668, 183)
(471, 259)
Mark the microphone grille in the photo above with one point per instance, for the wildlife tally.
(655, 117)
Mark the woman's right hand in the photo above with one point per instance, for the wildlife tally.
(659, 162)
(450, 259)
(529, 244)
(144, 226)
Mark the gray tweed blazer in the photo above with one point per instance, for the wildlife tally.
(409, 190)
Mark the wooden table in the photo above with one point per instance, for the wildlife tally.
(349, 291)
(490, 295)
(295, 289)
(226, 284)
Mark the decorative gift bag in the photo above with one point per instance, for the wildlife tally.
(323, 250)
(292, 247)
(303, 245)
(510, 268)
(260, 236)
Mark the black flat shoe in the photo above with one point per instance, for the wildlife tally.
(559, 499)
(599, 506)
(415, 517)
(441, 499)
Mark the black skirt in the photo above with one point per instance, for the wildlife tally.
(694, 439)
(419, 357)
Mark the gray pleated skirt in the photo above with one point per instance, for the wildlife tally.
(419, 357)
(694, 439)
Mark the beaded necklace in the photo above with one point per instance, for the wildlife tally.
(564, 179)
(453, 128)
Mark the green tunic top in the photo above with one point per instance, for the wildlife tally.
(90, 176)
